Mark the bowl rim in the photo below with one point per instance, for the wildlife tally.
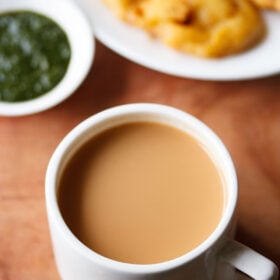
(80, 36)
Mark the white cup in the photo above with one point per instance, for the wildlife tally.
(217, 257)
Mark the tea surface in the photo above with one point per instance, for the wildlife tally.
(141, 193)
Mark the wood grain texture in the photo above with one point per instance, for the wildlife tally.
(246, 115)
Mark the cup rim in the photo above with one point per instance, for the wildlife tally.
(79, 33)
(55, 216)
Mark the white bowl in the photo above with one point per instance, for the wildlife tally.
(69, 17)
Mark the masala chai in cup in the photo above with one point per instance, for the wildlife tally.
(141, 193)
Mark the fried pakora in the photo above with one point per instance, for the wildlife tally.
(206, 28)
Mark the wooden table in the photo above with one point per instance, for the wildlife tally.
(246, 115)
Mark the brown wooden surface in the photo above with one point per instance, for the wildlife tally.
(246, 115)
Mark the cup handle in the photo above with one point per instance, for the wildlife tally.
(248, 261)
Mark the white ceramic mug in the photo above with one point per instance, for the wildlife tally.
(215, 258)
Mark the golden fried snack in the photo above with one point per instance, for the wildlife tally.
(268, 4)
(207, 28)
(148, 13)
(214, 28)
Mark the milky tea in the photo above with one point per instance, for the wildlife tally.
(141, 193)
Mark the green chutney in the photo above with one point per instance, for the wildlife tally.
(34, 55)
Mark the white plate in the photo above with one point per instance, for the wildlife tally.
(139, 47)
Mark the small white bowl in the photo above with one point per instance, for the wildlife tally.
(81, 40)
